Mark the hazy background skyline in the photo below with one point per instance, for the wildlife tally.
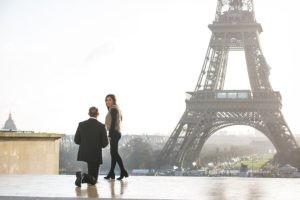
(59, 57)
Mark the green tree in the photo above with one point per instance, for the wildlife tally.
(138, 154)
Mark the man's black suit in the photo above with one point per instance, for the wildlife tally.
(91, 137)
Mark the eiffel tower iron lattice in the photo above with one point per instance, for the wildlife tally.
(210, 108)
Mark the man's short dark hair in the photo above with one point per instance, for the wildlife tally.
(93, 111)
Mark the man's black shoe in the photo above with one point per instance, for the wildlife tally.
(78, 179)
(89, 179)
(84, 178)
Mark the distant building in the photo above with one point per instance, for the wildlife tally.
(140, 172)
(10, 124)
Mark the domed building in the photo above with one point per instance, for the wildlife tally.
(10, 124)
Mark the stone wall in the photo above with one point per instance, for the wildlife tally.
(29, 153)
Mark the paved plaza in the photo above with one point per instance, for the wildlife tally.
(16, 187)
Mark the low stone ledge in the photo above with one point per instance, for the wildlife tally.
(27, 152)
(29, 134)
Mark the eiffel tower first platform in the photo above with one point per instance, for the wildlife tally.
(210, 108)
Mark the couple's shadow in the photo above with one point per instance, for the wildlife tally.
(117, 189)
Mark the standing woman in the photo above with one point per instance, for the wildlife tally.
(113, 125)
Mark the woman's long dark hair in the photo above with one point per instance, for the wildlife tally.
(113, 97)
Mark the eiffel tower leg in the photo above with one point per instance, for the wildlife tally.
(170, 150)
(179, 143)
(278, 130)
(288, 151)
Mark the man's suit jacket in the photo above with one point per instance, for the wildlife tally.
(91, 137)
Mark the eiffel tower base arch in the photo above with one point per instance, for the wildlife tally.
(209, 111)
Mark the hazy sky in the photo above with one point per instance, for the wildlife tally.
(59, 57)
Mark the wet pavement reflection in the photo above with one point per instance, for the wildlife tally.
(150, 187)
(117, 189)
(89, 191)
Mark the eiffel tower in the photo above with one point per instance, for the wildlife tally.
(210, 108)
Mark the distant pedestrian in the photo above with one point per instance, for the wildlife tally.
(113, 122)
(91, 137)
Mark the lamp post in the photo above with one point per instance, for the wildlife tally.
(194, 164)
(252, 165)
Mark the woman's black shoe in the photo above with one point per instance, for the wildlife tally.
(110, 176)
(123, 174)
